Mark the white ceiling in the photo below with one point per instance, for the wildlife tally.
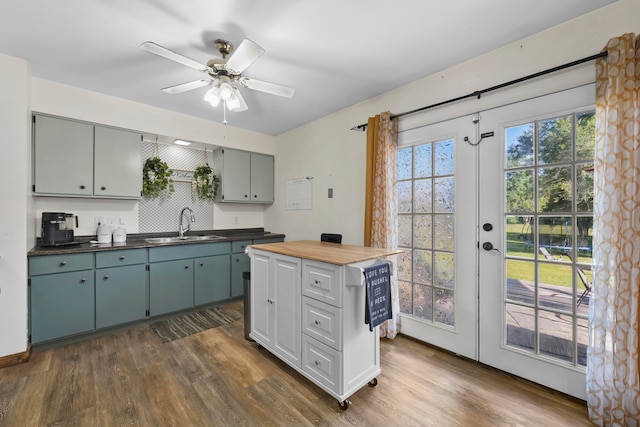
(335, 53)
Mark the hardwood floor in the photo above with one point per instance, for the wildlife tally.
(217, 378)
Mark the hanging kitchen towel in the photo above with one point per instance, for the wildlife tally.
(378, 294)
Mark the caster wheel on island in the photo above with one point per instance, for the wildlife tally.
(373, 382)
(344, 405)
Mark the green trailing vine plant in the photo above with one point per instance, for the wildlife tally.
(156, 178)
(204, 184)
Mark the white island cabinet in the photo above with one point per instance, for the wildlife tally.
(308, 309)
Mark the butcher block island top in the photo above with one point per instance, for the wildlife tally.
(332, 253)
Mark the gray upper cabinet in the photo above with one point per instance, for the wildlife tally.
(261, 178)
(245, 177)
(117, 170)
(63, 157)
(78, 159)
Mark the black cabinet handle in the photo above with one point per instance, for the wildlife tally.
(201, 264)
(82, 187)
(245, 196)
(103, 188)
(83, 280)
(63, 263)
(186, 267)
(121, 257)
(106, 277)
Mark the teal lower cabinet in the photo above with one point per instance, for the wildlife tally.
(61, 305)
(212, 279)
(120, 295)
(240, 262)
(61, 296)
(170, 286)
(121, 287)
(182, 276)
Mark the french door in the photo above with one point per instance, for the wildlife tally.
(495, 216)
(534, 284)
(437, 229)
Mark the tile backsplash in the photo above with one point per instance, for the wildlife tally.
(163, 214)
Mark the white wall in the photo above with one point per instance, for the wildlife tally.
(16, 205)
(335, 156)
(67, 101)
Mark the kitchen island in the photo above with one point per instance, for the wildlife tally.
(308, 309)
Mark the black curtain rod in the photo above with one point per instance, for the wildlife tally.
(479, 93)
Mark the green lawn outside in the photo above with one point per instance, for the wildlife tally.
(521, 245)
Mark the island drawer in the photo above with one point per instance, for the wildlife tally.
(322, 281)
(322, 363)
(322, 322)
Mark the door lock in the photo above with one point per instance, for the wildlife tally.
(488, 246)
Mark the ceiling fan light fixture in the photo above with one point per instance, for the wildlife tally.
(233, 104)
(226, 92)
(213, 96)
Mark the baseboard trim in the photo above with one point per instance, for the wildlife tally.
(15, 359)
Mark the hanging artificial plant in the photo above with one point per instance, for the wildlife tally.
(156, 178)
(204, 184)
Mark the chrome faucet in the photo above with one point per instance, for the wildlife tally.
(184, 228)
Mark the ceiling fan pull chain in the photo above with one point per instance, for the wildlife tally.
(224, 119)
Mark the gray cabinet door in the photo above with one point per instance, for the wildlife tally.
(61, 305)
(212, 279)
(118, 170)
(63, 156)
(170, 286)
(120, 295)
(240, 262)
(261, 178)
(236, 184)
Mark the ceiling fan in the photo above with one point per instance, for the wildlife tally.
(225, 75)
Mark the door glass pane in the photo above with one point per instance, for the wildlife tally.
(404, 163)
(427, 275)
(549, 236)
(519, 148)
(422, 231)
(520, 236)
(520, 191)
(555, 137)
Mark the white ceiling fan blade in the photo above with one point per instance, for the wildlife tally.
(267, 87)
(173, 56)
(184, 87)
(244, 56)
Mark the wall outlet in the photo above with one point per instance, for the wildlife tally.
(330, 193)
(235, 220)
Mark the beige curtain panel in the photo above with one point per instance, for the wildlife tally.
(613, 385)
(380, 218)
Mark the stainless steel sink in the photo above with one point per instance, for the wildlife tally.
(182, 239)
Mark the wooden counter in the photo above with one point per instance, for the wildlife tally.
(333, 253)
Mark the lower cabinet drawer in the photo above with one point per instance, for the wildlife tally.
(322, 363)
(322, 322)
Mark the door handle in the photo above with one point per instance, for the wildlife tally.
(488, 246)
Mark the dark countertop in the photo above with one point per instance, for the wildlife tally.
(138, 241)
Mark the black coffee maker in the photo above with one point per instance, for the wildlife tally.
(57, 229)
